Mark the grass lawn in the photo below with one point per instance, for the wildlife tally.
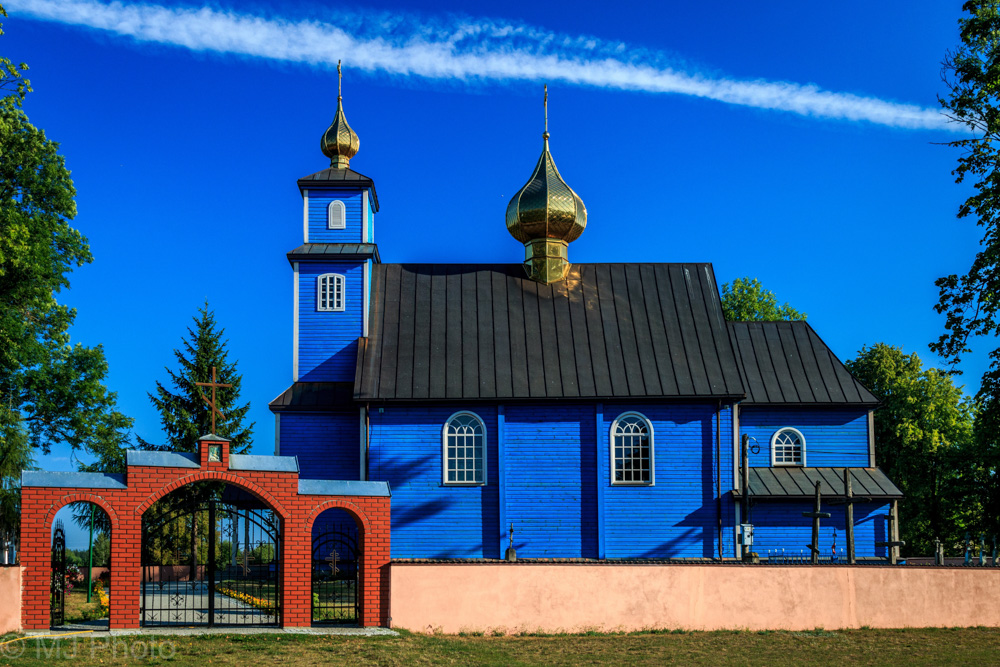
(959, 646)
(77, 607)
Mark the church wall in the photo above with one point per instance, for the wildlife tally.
(780, 525)
(552, 455)
(429, 519)
(677, 516)
(327, 444)
(328, 341)
(551, 480)
(834, 437)
(319, 201)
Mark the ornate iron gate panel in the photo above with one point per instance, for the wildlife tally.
(57, 586)
(336, 570)
(211, 563)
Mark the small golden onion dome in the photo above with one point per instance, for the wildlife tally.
(340, 143)
(546, 215)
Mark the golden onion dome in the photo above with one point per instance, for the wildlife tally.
(546, 215)
(546, 207)
(340, 143)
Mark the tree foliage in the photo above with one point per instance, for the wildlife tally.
(971, 75)
(923, 442)
(51, 391)
(184, 414)
(746, 300)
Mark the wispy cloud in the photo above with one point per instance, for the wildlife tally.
(462, 50)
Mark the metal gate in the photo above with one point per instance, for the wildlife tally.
(57, 585)
(211, 562)
(336, 570)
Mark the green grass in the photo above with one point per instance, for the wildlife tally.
(957, 646)
(77, 607)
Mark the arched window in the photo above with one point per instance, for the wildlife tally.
(336, 215)
(464, 449)
(788, 447)
(330, 292)
(632, 449)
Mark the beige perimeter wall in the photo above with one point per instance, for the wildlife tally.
(10, 598)
(573, 598)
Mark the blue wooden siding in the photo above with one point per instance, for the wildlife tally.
(834, 437)
(551, 480)
(557, 479)
(319, 201)
(429, 519)
(328, 341)
(328, 444)
(780, 525)
(677, 516)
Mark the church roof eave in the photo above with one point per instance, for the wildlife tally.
(340, 251)
(339, 178)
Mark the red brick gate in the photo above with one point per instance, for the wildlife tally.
(274, 480)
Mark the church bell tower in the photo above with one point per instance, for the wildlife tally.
(333, 266)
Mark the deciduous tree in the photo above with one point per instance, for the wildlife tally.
(923, 442)
(746, 300)
(51, 390)
(971, 74)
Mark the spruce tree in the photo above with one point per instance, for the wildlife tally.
(184, 415)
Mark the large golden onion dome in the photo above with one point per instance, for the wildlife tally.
(546, 215)
(340, 143)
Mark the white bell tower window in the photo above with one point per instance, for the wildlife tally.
(336, 215)
(330, 292)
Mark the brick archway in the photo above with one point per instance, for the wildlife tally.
(69, 499)
(248, 486)
(151, 475)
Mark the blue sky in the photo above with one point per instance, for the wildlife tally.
(794, 142)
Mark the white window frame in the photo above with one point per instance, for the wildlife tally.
(331, 282)
(802, 441)
(652, 452)
(336, 215)
(444, 450)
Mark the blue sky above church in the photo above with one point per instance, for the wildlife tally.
(794, 143)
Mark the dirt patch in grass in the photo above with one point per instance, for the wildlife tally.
(821, 647)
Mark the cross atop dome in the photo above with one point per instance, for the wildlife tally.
(340, 143)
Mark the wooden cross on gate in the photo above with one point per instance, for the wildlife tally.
(213, 384)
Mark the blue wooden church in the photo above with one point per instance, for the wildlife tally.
(598, 409)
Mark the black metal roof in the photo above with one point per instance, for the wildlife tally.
(486, 332)
(340, 250)
(305, 396)
(332, 177)
(787, 363)
(798, 483)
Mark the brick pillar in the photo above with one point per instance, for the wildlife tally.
(126, 575)
(35, 553)
(296, 575)
(375, 573)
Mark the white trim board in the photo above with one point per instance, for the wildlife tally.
(305, 216)
(364, 216)
(295, 322)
